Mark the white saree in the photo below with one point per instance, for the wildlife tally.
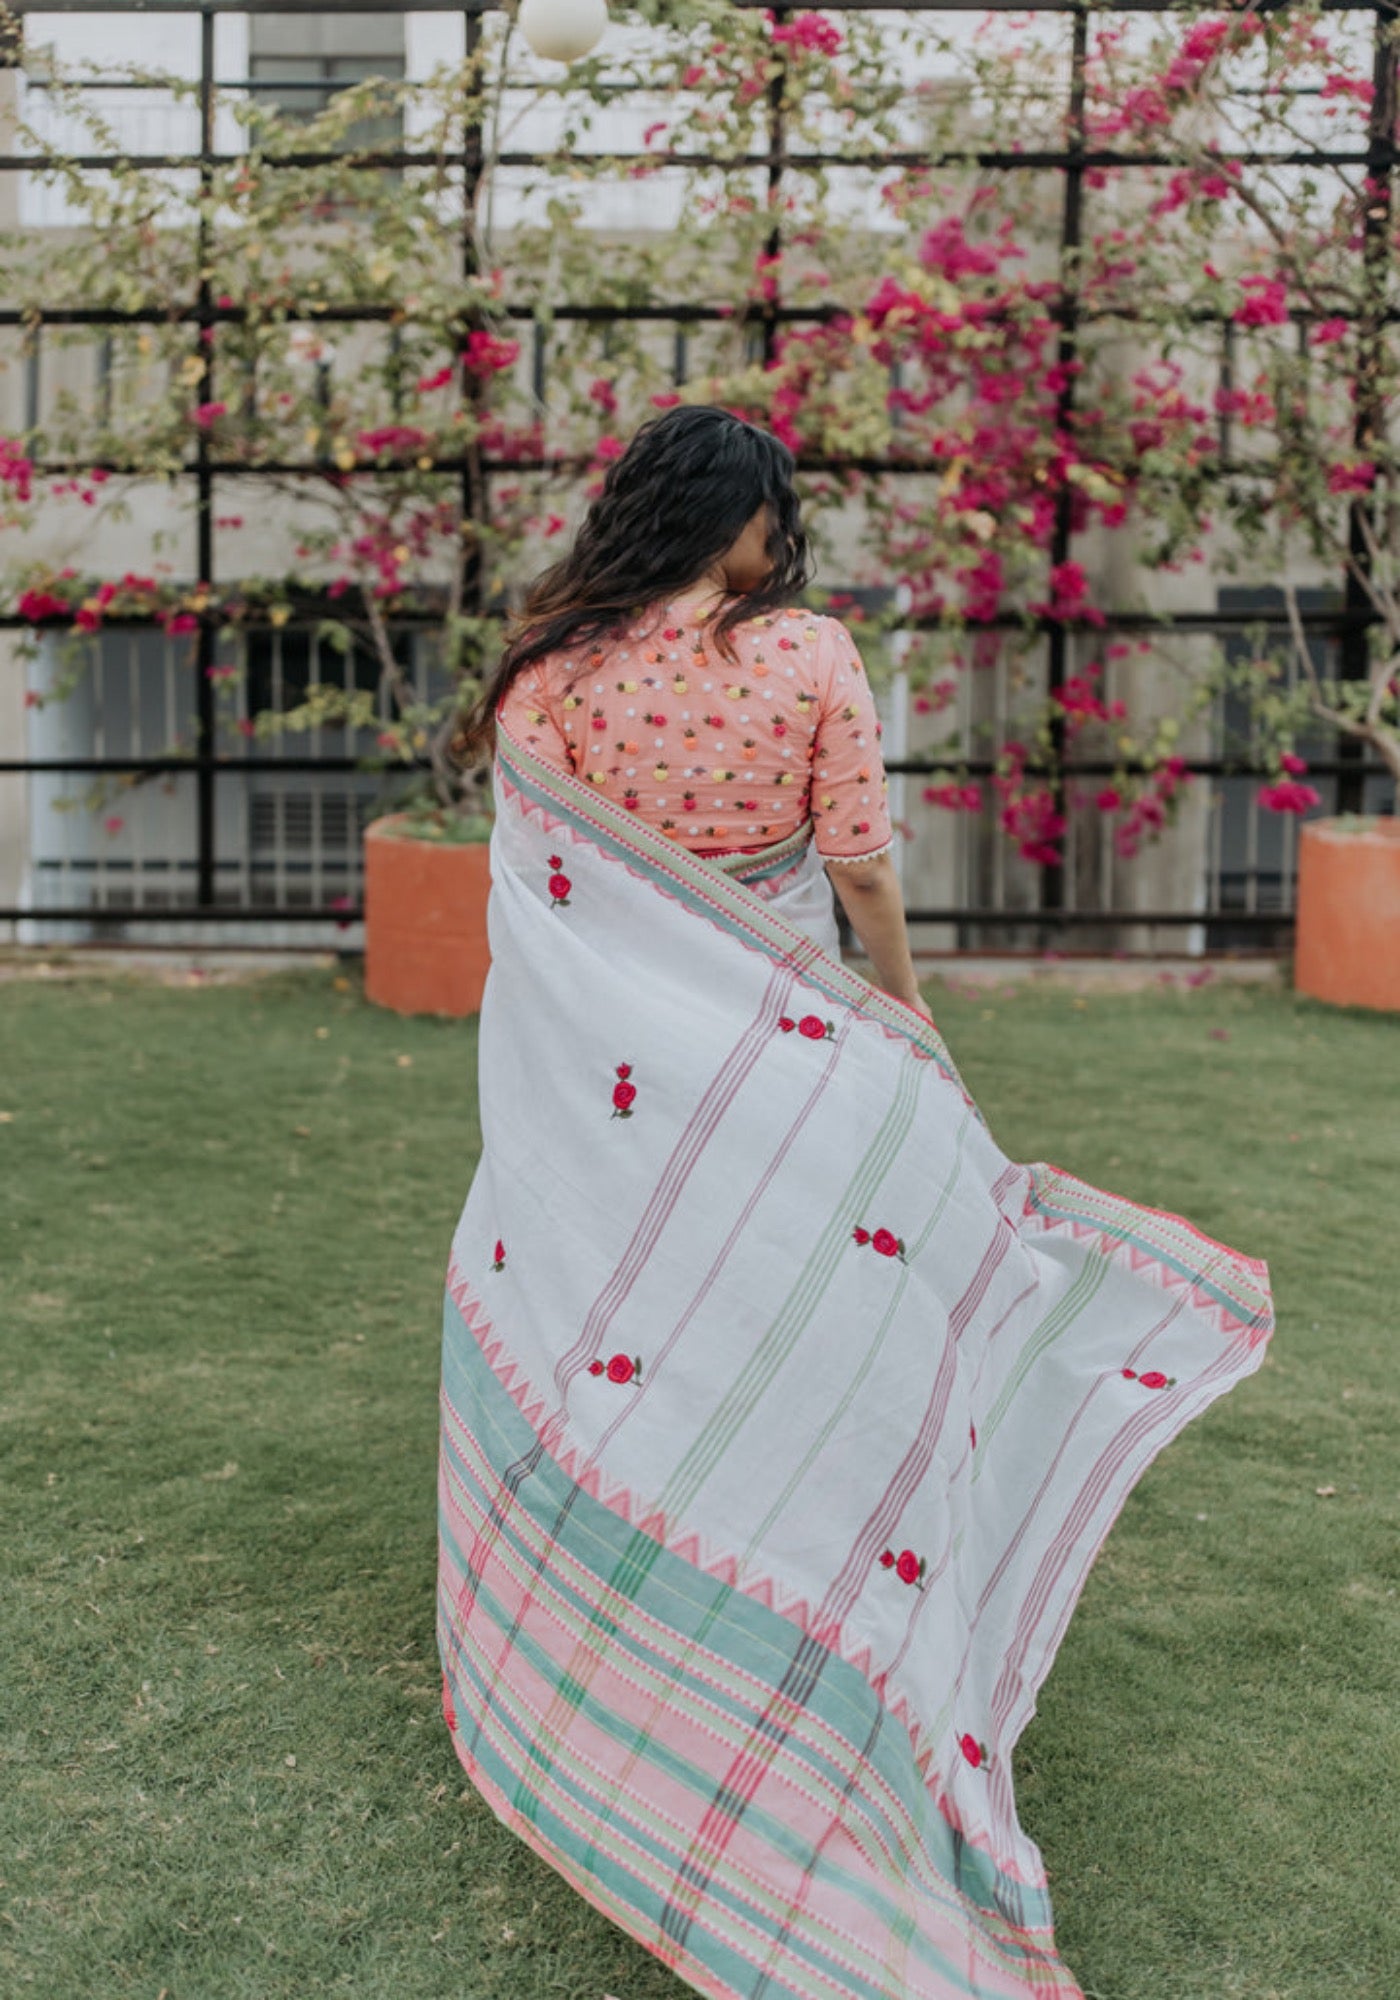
(782, 1419)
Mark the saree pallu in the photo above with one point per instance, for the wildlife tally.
(782, 1418)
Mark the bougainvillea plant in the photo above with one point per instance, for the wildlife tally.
(995, 429)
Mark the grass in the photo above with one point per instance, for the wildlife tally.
(221, 1257)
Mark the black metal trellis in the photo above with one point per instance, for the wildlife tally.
(1349, 626)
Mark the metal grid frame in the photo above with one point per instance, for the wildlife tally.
(1348, 627)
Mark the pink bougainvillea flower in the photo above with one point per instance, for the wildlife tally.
(975, 1752)
(1266, 303)
(1359, 88)
(1328, 330)
(113, 823)
(34, 606)
(1293, 763)
(485, 355)
(1358, 478)
(813, 32)
(1288, 796)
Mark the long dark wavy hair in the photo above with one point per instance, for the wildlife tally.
(679, 496)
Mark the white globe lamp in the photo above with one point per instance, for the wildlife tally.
(563, 30)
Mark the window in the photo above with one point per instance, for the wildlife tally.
(299, 61)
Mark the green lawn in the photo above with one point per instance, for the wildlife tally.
(222, 1244)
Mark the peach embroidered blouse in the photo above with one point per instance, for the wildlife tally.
(715, 755)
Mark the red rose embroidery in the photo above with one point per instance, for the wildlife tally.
(595, 1368)
(887, 1559)
(1153, 1379)
(976, 1753)
(883, 1240)
(813, 1029)
(623, 1367)
(787, 1024)
(499, 1256)
(909, 1568)
(624, 1097)
(556, 861)
(559, 887)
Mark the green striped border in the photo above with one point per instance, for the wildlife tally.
(1059, 1196)
(734, 1652)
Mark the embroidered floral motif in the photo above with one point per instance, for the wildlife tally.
(621, 1368)
(972, 1433)
(1153, 1379)
(810, 1025)
(977, 1754)
(814, 704)
(908, 1567)
(559, 883)
(624, 1093)
(882, 1240)
(499, 1256)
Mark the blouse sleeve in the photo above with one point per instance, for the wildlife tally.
(531, 712)
(850, 807)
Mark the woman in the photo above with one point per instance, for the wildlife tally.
(782, 1414)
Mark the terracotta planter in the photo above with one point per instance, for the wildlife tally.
(1348, 948)
(425, 921)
